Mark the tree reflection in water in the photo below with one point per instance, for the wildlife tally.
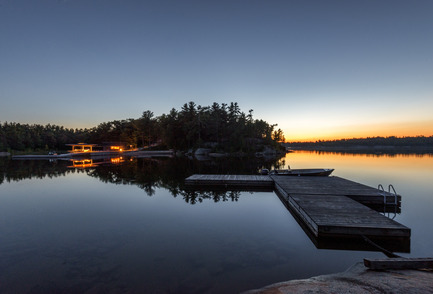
(193, 197)
(148, 174)
(18, 170)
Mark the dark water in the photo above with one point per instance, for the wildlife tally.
(129, 226)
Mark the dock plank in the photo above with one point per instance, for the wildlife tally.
(399, 263)
(333, 186)
(247, 181)
(324, 185)
(340, 215)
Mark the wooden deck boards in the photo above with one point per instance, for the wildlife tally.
(399, 263)
(334, 186)
(340, 215)
(322, 185)
(248, 181)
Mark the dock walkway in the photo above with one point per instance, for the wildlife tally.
(334, 186)
(328, 206)
(231, 181)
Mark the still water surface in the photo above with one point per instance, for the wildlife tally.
(130, 227)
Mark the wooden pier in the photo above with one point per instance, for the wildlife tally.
(334, 186)
(327, 206)
(399, 263)
(340, 215)
(242, 182)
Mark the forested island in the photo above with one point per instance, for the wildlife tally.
(219, 127)
(391, 143)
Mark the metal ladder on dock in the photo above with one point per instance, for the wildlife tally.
(391, 191)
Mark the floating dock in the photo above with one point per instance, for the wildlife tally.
(231, 181)
(399, 263)
(340, 215)
(327, 206)
(334, 186)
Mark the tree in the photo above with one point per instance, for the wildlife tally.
(146, 126)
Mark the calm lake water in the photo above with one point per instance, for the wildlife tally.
(128, 225)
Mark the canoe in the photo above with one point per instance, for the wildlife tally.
(318, 172)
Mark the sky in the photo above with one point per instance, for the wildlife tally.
(318, 69)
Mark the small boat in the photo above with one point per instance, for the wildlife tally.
(264, 171)
(318, 172)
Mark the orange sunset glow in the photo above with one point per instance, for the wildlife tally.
(397, 129)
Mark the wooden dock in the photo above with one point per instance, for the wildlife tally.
(246, 182)
(334, 186)
(340, 215)
(327, 206)
(399, 263)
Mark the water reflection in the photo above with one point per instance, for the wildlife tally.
(148, 174)
(82, 163)
(193, 197)
(370, 169)
(17, 170)
(396, 153)
(66, 230)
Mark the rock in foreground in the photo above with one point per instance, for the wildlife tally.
(357, 279)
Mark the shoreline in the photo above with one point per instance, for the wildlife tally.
(96, 154)
(357, 279)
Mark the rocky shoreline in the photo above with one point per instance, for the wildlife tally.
(357, 279)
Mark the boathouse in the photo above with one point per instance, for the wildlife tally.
(82, 147)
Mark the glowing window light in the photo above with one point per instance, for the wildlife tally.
(116, 160)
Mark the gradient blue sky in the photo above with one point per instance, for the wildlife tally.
(319, 69)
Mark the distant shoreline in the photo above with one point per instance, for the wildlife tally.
(368, 149)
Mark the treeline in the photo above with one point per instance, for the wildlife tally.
(16, 136)
(222, 127)
(392, 141)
